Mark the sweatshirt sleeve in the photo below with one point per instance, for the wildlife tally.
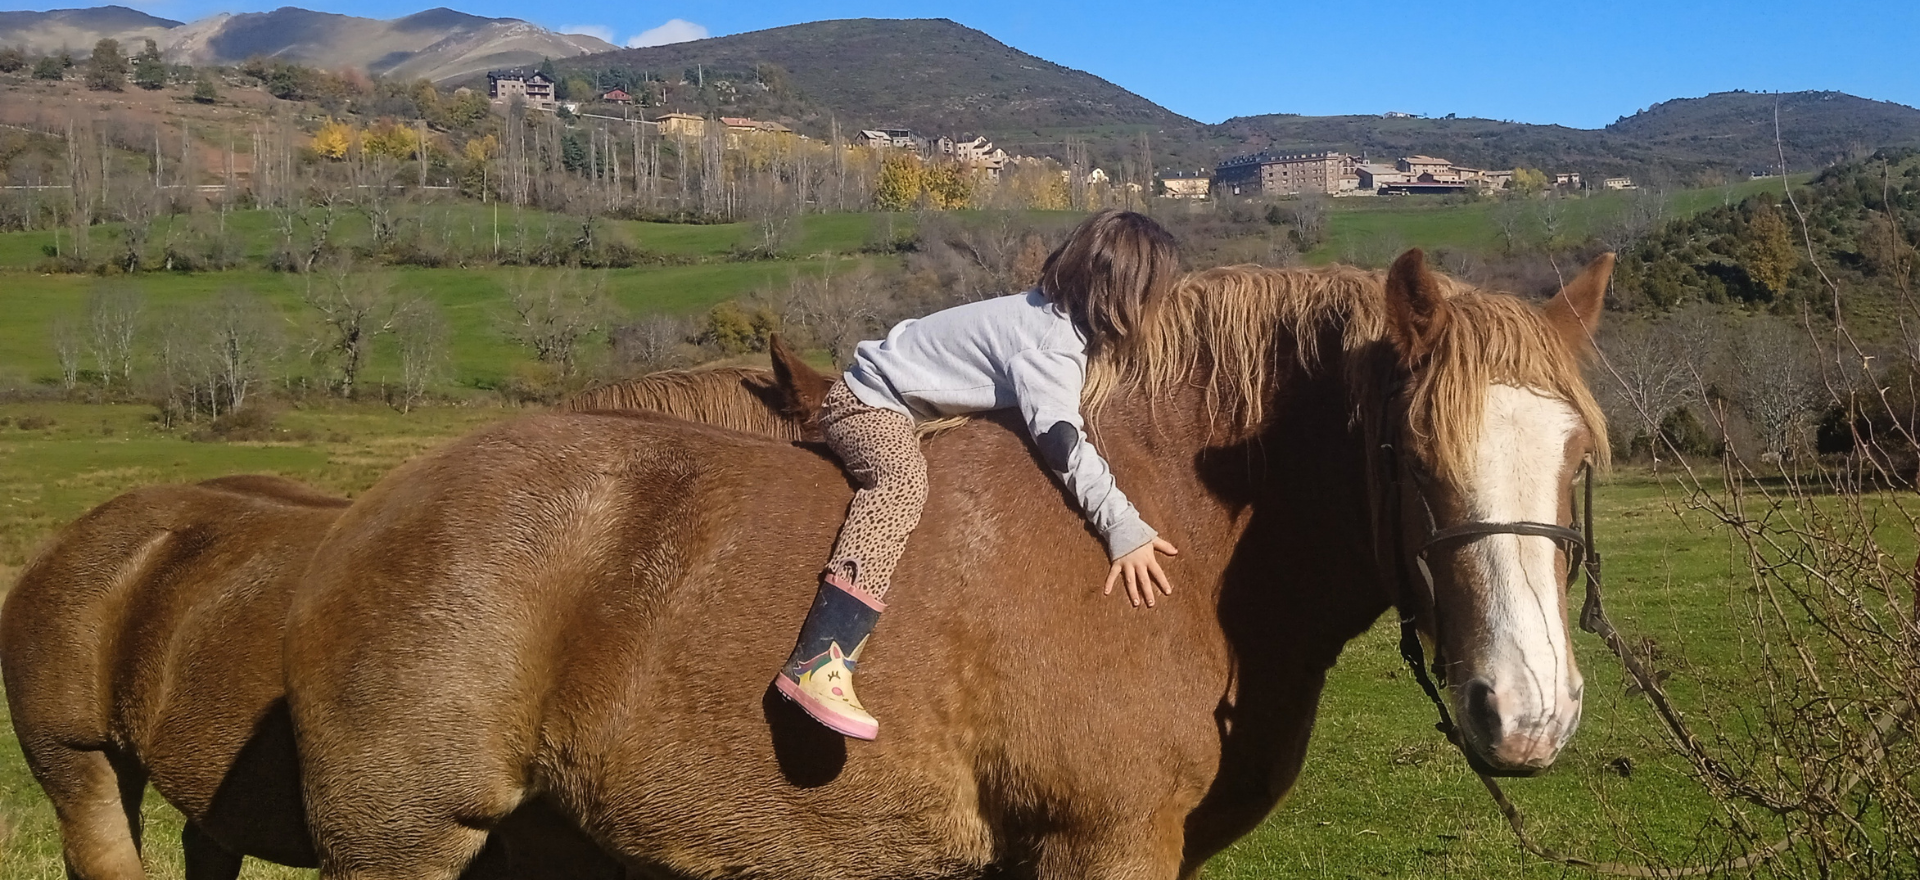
(1048, 384)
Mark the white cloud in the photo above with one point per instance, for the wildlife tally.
(589, 30)
(678, 30)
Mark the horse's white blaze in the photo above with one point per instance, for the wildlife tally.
(1519, 473)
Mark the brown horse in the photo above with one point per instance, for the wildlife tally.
(586, 610)
(145, 644)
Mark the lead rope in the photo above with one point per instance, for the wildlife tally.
(1593, 619)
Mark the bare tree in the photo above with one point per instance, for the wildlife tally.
(1310, 217)
(1775, 381)
(553, 311)
(354, 307)
(242, 336)
(68, 347)
(113, 321)
(1553, 220)
(1509, 216)
(654, 342)
(422, 337)
(82, 183)
(1652, 373)
(141, 202)
(838, 311)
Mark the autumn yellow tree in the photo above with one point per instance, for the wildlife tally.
(390, 138)
(478, 153)
(902, 180)
(334, 140)
(1769, 255)
(948, 186)
(1528, 181)
(480, 149)
(1040, 186)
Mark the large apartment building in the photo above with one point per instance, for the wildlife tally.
(1285, 174)
(531, 86)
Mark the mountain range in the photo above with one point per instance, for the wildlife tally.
(438, 44)
(941, 77)
(938, 76)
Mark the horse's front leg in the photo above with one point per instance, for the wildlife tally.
(1144, 845)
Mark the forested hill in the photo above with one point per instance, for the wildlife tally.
(931, 75)
(1725, 131)
(1862, 226)
(1816, 128)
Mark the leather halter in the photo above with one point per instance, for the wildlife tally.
(1411, 570)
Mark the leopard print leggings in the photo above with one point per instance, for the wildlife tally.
(880, 450)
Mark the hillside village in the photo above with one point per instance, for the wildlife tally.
(1334, 173)
(535, 90)
(1257, 174)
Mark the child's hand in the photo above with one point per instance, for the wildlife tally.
(1142, 570)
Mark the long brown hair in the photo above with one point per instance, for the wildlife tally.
(1110, 270)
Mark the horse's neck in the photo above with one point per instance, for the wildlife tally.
(1303, 475)
(1277, 530)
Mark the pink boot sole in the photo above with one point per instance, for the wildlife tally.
(821, 712)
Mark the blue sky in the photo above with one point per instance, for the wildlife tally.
(1574, 63)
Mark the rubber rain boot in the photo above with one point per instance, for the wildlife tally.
(818, 674)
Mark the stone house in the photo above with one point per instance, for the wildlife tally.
(681, 125)
(1185, 184)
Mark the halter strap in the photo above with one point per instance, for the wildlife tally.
(1562, 534)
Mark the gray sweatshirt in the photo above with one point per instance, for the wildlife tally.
(1009, 352)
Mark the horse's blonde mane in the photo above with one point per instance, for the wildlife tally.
(725, 397)
(1223, 329)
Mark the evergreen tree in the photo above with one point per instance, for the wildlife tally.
(107, 69)
(203, 91)
(49, 67)
(573, 153)
(149, 71)
(12, 60)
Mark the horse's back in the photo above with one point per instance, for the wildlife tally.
(562, 601)
(151, 629)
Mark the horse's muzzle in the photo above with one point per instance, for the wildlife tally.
(1511, 735)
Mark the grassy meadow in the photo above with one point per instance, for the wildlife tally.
(1382, 794)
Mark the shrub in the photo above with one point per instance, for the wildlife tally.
(254, 422)
(734, 329)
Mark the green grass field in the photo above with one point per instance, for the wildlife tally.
(1382, 794)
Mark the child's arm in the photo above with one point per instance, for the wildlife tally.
(1048, 385)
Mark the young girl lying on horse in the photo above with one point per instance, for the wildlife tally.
(1027, 351)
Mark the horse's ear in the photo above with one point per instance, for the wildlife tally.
(1416, 307)
(1575, 312)
(805, 387)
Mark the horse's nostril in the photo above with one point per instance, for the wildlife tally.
(1482, 713)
